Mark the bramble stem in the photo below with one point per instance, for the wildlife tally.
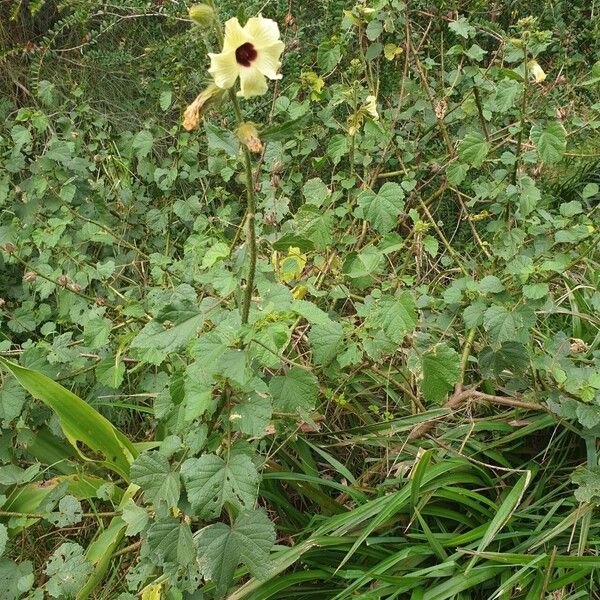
(522, 120)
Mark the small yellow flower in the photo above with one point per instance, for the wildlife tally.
(370, 107)
(536, 71)
(251, 53)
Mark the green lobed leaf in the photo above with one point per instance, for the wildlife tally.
(550, 141)
(171, 541)
(158, 480)
(383, 208)
(222, 548)
(296, 391)
(473, 149)
(211, 482)
(441, 371)
(326, 341)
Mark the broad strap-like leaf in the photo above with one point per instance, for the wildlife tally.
(79, 421)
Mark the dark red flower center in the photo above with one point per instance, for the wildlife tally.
(245, 54)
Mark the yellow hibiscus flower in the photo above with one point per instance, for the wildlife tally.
(251, 53)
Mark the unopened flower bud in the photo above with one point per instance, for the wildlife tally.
(278, 166)
(248, 135)
(2, 302)
(9, 247)
(29, 276)
(62, 280)
(202, 14)
(75, 287)
(275, 180)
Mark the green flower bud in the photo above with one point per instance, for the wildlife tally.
(202, 14)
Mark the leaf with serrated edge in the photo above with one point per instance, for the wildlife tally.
(211, 482)
(221, 548)
(441, 370)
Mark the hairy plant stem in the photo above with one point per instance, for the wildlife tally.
(521, 120)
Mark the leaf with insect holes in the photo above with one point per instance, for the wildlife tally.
(67, 570)
(441, 371)
(211, 482)
(69, 512)
(222, 548)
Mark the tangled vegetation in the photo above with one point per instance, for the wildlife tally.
(336, 336)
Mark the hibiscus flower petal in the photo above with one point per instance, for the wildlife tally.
(267, 61)
(224, 69)
(253, 82)
(235, 36)
(264, 32)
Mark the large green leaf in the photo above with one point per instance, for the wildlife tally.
(441, 370)
(383, 208)
(171, 541)
(211, 482)
(173, 327)
(550, 141)
(325, 341)
(473, 149)
(509, 325)
(222, 548)
(80, 423)
(159, 482)
(296, 391)
(394, 315)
